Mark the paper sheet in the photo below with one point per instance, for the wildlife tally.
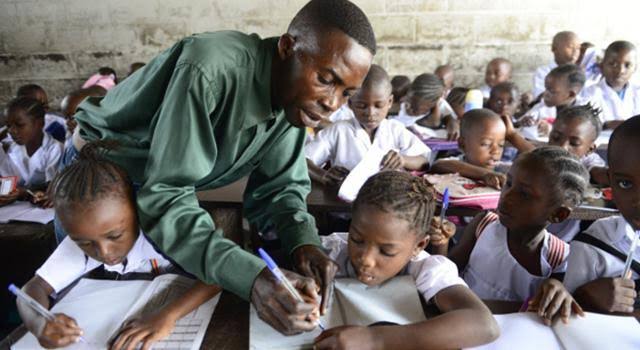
(522, 331)
(368, 166)
(25, 211)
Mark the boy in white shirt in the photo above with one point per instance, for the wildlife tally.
(566, 49)
(498, 71)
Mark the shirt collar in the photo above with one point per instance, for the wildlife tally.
(134, 258)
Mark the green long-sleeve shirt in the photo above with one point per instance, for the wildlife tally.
(199, 116)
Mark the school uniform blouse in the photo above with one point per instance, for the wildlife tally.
(494, 274)
(38, 169)
(587, 262)
(539, 76)
(68, 263)
(613, 106)
(199, 116)
(432, 273)
(345, 143)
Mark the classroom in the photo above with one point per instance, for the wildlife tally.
(319, 174)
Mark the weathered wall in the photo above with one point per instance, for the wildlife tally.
(59, 43)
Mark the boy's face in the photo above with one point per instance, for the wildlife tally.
(418, 105)
(618, 67)
(24, 128)
(321, 73)
(557, 91)
(380, 244)
(576, 135)
(566, 51)
(496, 73)
(624, 176)
(483, 145)
(503, 103)
(105, 230)
(370, 106)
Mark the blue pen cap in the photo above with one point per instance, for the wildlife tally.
(13, 288)
(267, 259)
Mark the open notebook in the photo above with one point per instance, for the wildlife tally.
(101, 307)
(525, 331)
(354, 303)
(25, 211)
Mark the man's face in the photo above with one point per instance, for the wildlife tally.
(322, 73)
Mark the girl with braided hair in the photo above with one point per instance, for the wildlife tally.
(392, 215)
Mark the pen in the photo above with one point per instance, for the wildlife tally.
(445, 204)
(283, 279)
(34, 305)
(30, 193)
(627, 264)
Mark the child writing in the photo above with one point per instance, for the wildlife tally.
(508, 256)
(32, 155)
(597, 259)
(95, 203)
(399, 87)
(566, 49)
(345, 143)
(392, 215)
(615, 93)
(498, 71)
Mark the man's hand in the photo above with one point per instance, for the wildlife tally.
(311, 261)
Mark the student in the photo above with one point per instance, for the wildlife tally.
(509, 255)
(482, 137)
(387, 237)
(95, 203)
(399, 87)
(596, 262)
(32, 155)
(498, 71)
(615, 93)
(445, 73)
(53, 124)
(503, 100)
(133, 67)
(562, 89)
(426, 107)
(566, 49)
(456, 99)
(345, 143)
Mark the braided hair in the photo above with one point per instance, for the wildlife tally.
(29, 105)
(588, 113)
(408, 197)
(457, 95)
(90, 178)
(427, 86)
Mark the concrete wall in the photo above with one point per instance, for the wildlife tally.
(59, 43)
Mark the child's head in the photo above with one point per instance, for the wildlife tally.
(372, 101)
(504, 99)
(562, 85)
(456, 99)
(445, 72)
(583, 49)
(498, 71)
(542, 187)
(424, 93)
(25, 120)
(94, 200)
(399, 87)
(576, 129)
(618, 64)
(35, 92)
(624, 169)
(391, 217)
(565, 47)
(133, 67)
(482, 135)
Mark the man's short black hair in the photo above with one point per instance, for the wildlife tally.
(339, 14)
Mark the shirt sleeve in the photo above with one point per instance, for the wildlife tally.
(53, 159)
(277, 190)
(409, 144)
(584, 265)
(538, 82)
(320, 148)
(65, 265)
(183, 134)
(433, 273)
(592, 160)
(7, 167)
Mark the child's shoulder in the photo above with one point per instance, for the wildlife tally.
(609, 230)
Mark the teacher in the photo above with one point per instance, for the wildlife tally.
(217, 107)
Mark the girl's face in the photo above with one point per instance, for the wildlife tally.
(576, 135)
(24, 128)
(381, 244)
(418, 105)
(503, 103)
(525, 201)
(483, 146)
(105, 230)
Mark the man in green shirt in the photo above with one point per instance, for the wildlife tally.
(217, 107)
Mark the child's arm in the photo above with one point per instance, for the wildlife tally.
(453, 127)
(607, 295)
(599, 175)
(51, 334)
(393, 160)
(461, 252)
(330, 178)
(612, 124)
(448, 166)
(149, 330)
(464, 322)
(514, 137)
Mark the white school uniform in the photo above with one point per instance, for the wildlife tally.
(494, 274)
(486, 91)
(38, 169)
(432, 273)
(540, 111)
(345, 143)
(68, 263)
(587, 262)
(614, 107)
(540, 75)
(343, 113)
(50, 118)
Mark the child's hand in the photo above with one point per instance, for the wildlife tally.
(10, 198)
(439, 234)
(41, 199)
(392, 161)
(347, 337)
(62, 332)
(453, 130)
(552, 300)
(509, 125)
(526, 121)
(610, 294)
(334, 176)
(147, 331)
(493, 179)
(544, 127)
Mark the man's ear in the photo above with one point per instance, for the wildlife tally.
(286, 44)
(560, 214)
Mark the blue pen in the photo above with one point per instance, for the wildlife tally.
(282, 278)
(36, 306)
(445, 204)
